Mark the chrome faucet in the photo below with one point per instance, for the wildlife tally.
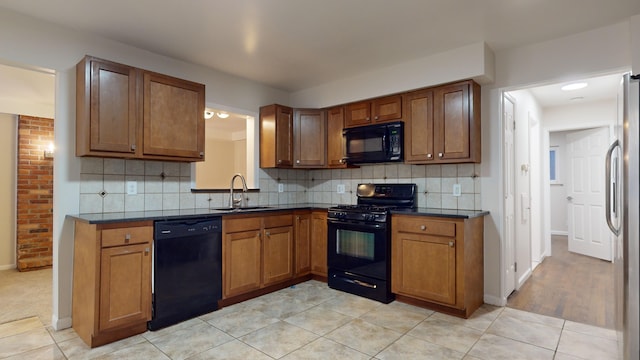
(242, 202)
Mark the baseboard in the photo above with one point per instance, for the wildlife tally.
(7, 267)
(60, 324)
(558, 232)
(493, 300)
(524, 277)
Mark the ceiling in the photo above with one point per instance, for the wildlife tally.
(298, 44)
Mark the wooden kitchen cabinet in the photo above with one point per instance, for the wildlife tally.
(309, 138)
(125, 112)
(276, 136)
(442, 124)
(302, 247)
(258, 252)
(438, 261)
(319, 243)
(335, 141)
(111, 280)
(383, 109)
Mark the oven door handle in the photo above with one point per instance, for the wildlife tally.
(359, 224)
(361, 283)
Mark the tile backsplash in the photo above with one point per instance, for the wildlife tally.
(167, 185)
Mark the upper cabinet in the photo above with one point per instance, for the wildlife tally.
(335, 141)
(125, 112)
(442, 124)
(382, 109)
(309, 138)
(276, 136)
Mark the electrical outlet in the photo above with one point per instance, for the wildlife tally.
(132, 187)
(340, 189)
(280, 187)
(456, 190)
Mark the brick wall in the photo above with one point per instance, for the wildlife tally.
(35, 194)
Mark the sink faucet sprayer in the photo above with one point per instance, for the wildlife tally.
(242, 202)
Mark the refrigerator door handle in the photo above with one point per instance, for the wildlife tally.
(615, 230)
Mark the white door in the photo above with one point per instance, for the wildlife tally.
(588, 232)
(509, 192)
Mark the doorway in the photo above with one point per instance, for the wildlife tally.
(546, 109)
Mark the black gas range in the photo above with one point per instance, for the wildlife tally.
(359, 240)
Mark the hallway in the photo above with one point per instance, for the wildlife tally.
(569, 286)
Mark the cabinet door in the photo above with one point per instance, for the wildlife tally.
(418, 127)
(452, 126)
(284, 136)
(276, 136)
(310, 138)
(125, 285)
(424, 266)
(335, 140)
(173, 117)
(242, 262)
(277, 255)
(357, 114)
(303, 244)
(319, 243)
(106, 110)
(388, 108)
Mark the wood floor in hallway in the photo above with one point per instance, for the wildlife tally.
(569, 286)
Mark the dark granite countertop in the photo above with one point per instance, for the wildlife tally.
(104, 218)
(448, 213)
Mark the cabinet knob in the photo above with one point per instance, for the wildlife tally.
(146, 251)
(133, 147)
(127, 237)
(423, 227)
(201, 153)
(451, 244)
(429, 156)
(279, 161)
(367, 118)
(376, 118)
(268, 233)
(440, 154)
(297, 161)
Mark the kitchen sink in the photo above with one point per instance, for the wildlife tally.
(243, 208)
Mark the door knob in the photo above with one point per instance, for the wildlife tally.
(569, 198)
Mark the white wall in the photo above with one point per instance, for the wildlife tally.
(8, 156)
(32, 42)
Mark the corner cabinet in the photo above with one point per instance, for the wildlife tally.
(442, 124)
(257, 252)
(276, 136)
(111, 280)
(125, 112)
(439, 262)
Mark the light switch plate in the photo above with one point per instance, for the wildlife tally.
(132, 187)
(340, 189)
(456, 190)
(280, 188)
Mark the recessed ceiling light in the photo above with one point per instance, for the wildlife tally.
(223, 115)
(208, 114)
(574, 86)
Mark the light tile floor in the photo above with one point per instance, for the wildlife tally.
(311, 321)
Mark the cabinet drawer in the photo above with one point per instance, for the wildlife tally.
(420, 225)
(241, 224)
(278, 221)
(126, 236)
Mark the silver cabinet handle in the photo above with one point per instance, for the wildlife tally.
(297, 161)
(614, 230)
(429, 156)
(451, 243)
(440, 154)
(423, 227)
(268, 233)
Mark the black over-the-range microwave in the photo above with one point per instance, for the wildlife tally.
(374, 143)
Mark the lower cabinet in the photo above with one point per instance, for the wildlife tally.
(319, 243)
(111, 280)
(302, 246)
(439, 261)
(258, 252)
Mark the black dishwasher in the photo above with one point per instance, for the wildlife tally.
(187, 269)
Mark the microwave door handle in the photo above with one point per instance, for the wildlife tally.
(385, 147)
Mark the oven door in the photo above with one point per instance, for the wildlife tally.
(358, 248)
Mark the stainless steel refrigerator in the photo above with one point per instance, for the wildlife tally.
(623, 162)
